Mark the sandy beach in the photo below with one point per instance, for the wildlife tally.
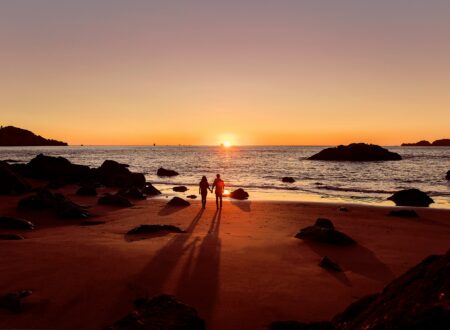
(240, 267)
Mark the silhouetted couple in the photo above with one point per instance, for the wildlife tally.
(218, 184)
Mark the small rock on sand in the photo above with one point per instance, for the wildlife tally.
(150, 190)
(180, 189)
(114, 200)
(191, 196)
(288, 179)
(323, 231)
(164, 172)
(411, 197)
(177, 201)
(239, 194)
(15, 223)
(153, 229)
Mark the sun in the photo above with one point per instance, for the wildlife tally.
(226, 144)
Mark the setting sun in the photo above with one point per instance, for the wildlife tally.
(226, 144)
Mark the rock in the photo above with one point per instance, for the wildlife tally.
(323, 231)
(239, 194)
(91, 222)
(150, 190)
(11, 237)
(114, 174)
(67, 209)
(418, 299)
(356, 152)
(294, 325)
(288, 179)
(14, 136)
(10, 182)
(41, 199)
(153, 229)
(13, 301)
(115, 200)
(180, 189)
(441, 143)
(192, 196)
(132, 192)
(87, 191)
(177, 201)
(411, 197)
(15, 223)
(448, 175)
(160, 312)
(163, 172)
(327, 263)
(422, 143)
(403, 213)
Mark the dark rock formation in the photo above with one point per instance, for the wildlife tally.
(403, 213)
(15, 223)
(423, 143)
(13, 136)
(114, 174)
(323, 231)
(87, 191)
(91, 222)
(411, 197)
(13, 301)
(154, 229)
(133, 192)
(10, 182)
(441, 143)
(448, 175)
(11, 237)
(180, 189)
(160, 312)
(288, 179)
(239, 194)
(327, 263)
(294, 325)
(177, 201)
(150, 190)
(356, 152)
(164, 172)
(114, 200)
(191, 196)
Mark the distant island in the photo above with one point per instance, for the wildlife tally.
(11, 136)
(425, 143)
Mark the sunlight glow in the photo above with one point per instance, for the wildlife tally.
(226, 144)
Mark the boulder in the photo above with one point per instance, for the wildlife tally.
(114, 174)
(448, 175)
(160, 312)
(403, 213)
(150, 190)
(133, 192)
(115, 200)
(41, 199)
(327, 263)
(13, 301)
(87, 191)
(67, 209)
(15, 223)
(411, 197)
(239, 194)
(288, 179)
(154, 229)
(164, 172)
(177, 201)
(191, 196)
(323, 231)
(356, 152)
(180, 189)
(10, 182)
(11, 237)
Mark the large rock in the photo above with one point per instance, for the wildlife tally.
(114, 174)
(356, 152)
(239, 194)
(114, 200)
(323, 231)
(288, 179)
(180, 188)
(411, 197)
(15, 223)
(150, 190)
(162, 312)
(177, 201)
(10, 182)
(154, 229)
(164, 172)
(448, 175)
(133, 192)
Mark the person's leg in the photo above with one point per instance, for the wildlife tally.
(203, 200)
(217, 201)
(220, 201)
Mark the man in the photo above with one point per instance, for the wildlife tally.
(220, 187)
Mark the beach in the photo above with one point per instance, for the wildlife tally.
(240, 267)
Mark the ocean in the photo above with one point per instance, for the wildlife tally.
(259, 169)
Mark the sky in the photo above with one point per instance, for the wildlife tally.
(280, 72)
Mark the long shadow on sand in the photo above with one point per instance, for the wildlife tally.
(357, 259)
(243, 205)
(168, 210)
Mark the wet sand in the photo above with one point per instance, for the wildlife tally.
(240, 267)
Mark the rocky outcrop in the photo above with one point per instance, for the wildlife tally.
(180, 189)
(15, 223)
(356, 152)
(411, 197)
(150, 190)
(239, 194)
(323, 231)
(14, 136)
(154, 229)
(441, 143)
(448, 175)
(10, 182)
(133, 193)
(164, 172)
(114, 200)
(114, 174)
(177, 201)
(288, 179)
(160, 312)
(425, 143)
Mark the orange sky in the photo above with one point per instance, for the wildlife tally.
(252, 72)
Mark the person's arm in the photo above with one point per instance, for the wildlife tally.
(213, 185)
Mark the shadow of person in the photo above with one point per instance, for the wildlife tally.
(355, 258)
(199, 280)
(168, 210)
(243, 205)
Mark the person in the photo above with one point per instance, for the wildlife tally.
(203, 188)
(220, 187)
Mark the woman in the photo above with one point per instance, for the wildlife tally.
(203, 188)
